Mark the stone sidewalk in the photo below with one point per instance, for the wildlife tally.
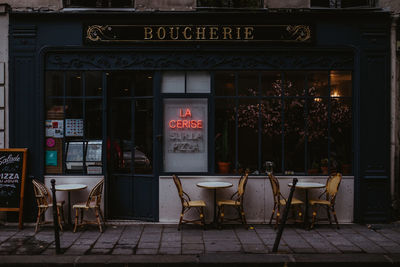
(159, 240)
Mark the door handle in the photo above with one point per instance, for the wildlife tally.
(159, 137)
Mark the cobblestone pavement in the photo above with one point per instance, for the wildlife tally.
(158, 239)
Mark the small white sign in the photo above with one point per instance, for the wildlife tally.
(2, 73)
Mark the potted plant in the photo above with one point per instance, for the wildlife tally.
(324, 166)
(223, 150)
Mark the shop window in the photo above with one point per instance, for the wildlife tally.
(300, 121)
(231, 3)
(99, 3)
(342, 3)
(73, 126)
(185, 82)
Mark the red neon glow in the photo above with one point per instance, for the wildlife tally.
(188, 113)
(186, 124)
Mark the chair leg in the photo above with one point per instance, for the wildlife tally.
(203, 221)
(278, 215)
(76, 219)
(243, 216)
(334, 216)
(59, 218)
(98, 219)
(181, 219)
(329, 215)
(62, 214)
(314, 217)
(273, 213)
(38, 220)
(81, 216)
(222, 214)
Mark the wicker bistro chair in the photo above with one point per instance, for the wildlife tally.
(45, 201)
(235, 201)
(331, 189)
(93, 203)
(280, 200)
(188, 204)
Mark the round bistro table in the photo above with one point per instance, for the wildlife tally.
(69, 188)
(214, 186)
(306, 186)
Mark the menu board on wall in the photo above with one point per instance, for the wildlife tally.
(12, 180)
(185, 135)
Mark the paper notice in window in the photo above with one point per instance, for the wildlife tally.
(54, 128)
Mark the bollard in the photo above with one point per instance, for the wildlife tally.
(285, 214)
(55, 217)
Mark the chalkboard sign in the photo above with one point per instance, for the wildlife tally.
(12, 180)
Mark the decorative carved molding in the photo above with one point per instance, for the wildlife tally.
(196, 60)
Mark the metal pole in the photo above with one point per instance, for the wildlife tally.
(285, 214)
(55, 217)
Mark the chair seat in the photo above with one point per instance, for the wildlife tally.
(319, 201)
(295, 201)
(195, 203)
(82, 205)
(229, 202)
(59, 203)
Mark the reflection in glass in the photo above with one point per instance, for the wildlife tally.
(271, 83)
(341, 84)
(341, 132)
(93, 83)
(224, 83)
(248, 83)
(143, 83)
(294, 135)
(225, 134)
(143, 136)
(248, 115)
(120, 83)
(119, 146)
(294, 83)
(93, 120)
(317, 137)
(54, 83)
(318, 83)
(73, 83)
(271, 110)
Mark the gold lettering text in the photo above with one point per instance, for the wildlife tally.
(202, 33)
(248, 33)
(227, 32)
(148, 33)
(171, 33)
(161, 33)
(185, 33)
(213, 33)
(237, 33)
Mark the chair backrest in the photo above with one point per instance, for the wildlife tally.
(96, 193)
(242, 185)
(275, 187)
(42, 193)
(332, 186)
(182, 195)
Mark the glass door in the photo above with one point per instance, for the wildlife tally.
(130, 151)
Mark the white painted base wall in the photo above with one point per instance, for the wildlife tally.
(258, 201)
(76, 196)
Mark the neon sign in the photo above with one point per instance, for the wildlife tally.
(185, 123)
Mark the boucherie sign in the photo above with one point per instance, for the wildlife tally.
(197, 33)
